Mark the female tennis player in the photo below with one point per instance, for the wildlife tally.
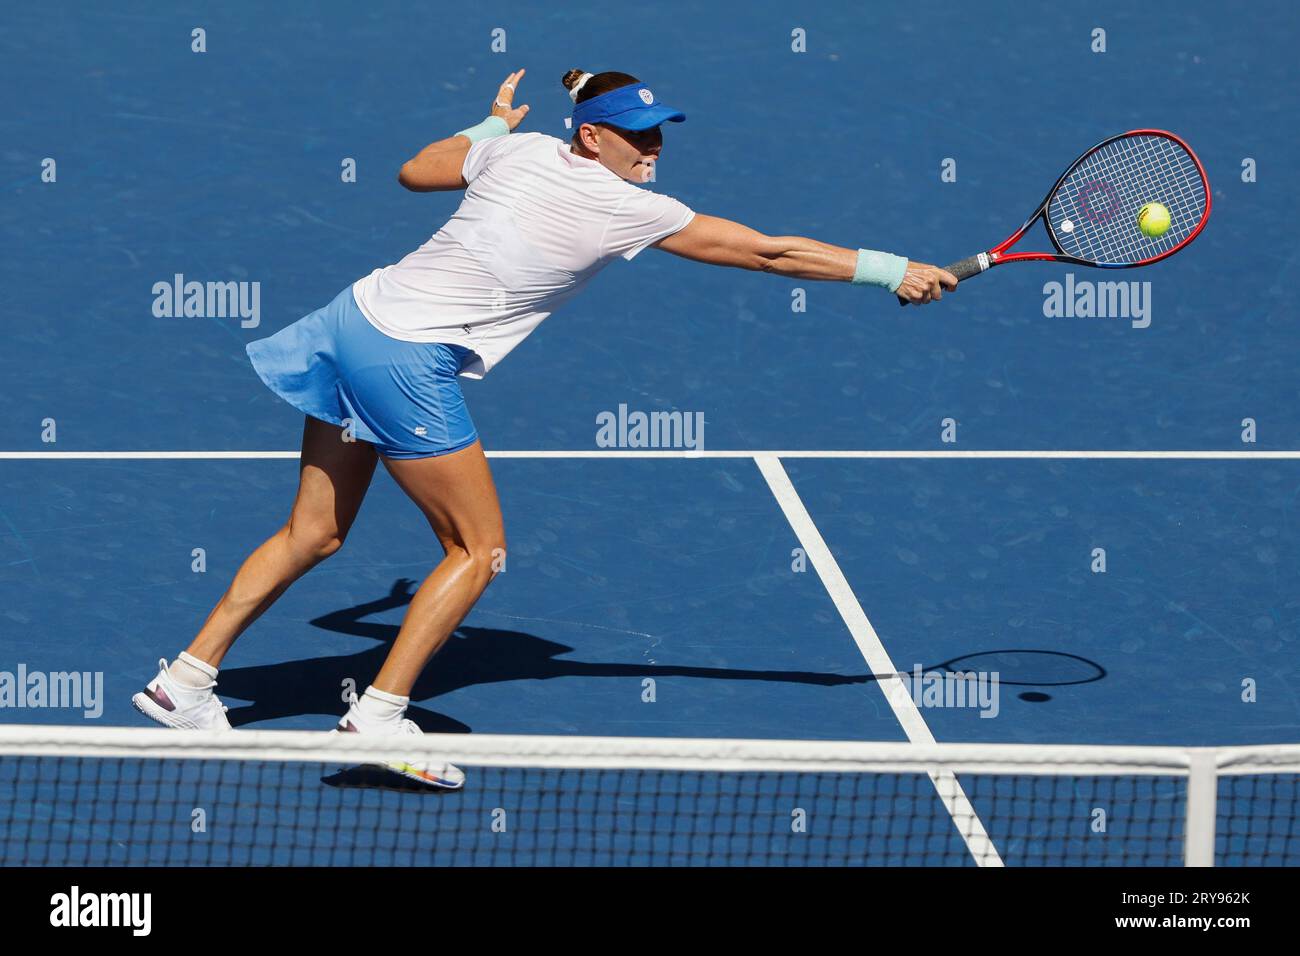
(376, 370)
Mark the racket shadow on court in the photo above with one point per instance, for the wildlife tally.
(1019, 667)
(473, 655)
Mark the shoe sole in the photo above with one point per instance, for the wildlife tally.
(410, 773)
(437, 783)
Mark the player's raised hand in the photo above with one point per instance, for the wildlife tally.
(503, 105)
(924, 283)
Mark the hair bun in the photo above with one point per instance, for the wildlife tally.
(578, 84)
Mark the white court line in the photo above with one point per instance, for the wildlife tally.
(877, 658)
(722, 453)
(128, 455)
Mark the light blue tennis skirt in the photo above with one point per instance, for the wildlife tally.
(402, 397)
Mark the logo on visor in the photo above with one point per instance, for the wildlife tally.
(646, 96)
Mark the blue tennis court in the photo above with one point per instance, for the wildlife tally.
(1093, 513)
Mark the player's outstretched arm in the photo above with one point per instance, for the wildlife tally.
(721, 242)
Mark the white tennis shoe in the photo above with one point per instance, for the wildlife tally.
(173, 704)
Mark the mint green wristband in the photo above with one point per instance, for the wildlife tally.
(880, 268)
(492, 126)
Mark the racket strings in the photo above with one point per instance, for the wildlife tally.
(1094, 212)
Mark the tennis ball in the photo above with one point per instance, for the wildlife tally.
(1153, 220)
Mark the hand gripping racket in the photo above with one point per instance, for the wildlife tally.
(1091, 214)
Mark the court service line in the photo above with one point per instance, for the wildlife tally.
(895, 690)
(888, 454)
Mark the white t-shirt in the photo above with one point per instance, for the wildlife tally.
(537, 222)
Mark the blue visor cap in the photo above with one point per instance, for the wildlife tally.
(628, 107)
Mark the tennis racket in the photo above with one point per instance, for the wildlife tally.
(1091, 213)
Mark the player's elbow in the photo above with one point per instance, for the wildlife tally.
(406, 176)
(414, 178)
(751, 260)
(764, 254)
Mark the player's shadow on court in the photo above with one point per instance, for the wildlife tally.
(473, 655)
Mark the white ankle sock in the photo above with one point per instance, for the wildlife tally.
(381, 707)
(189, 671)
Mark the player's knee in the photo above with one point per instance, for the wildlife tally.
(488, 558)
(328, 545)
(316, 543)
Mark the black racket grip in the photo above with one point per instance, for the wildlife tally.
(964, 269)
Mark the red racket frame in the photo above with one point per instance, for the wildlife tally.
(996, 254)
(974, 265)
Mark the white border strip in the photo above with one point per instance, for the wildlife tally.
(672, 753)
(886, 454)
(873, 651)
(683, 753)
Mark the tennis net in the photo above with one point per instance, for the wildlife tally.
(76, 796)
